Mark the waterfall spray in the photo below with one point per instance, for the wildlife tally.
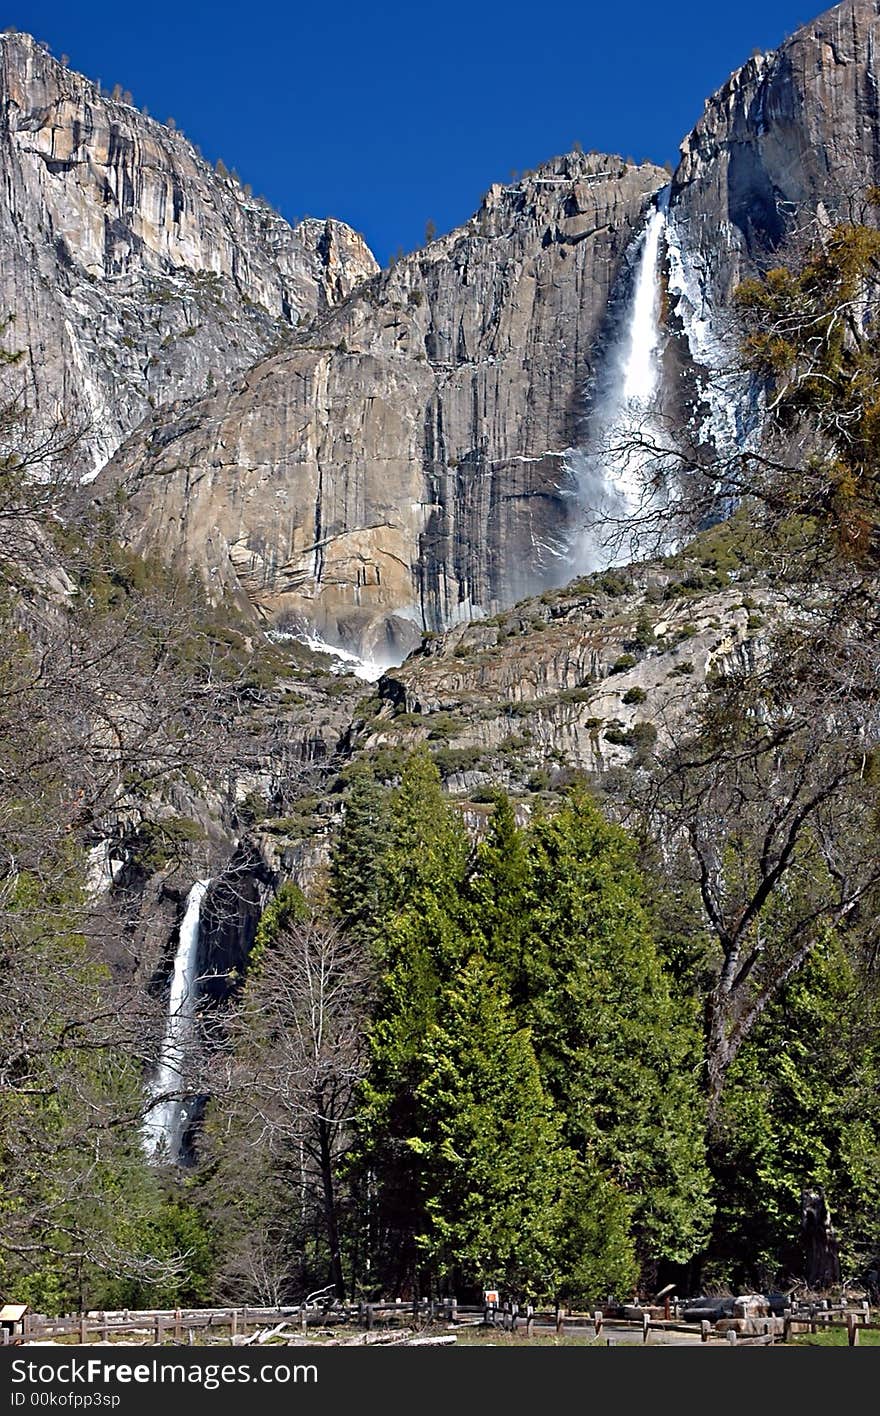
(609, 470)
(166, 1121)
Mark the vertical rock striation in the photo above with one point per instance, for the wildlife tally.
(793, 134)
(135, 272)
(401, 466)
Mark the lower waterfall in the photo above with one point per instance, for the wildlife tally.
(610, 470)
(165, 1123)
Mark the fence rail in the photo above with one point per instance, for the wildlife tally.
(246, 1324)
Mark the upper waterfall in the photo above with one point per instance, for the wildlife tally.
(612, 468)
(166, 1122)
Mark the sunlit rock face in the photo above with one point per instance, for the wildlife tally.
(134, 272)
(792, 135)
(402, 465)
(791, 130)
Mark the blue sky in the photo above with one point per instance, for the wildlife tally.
(388, 116)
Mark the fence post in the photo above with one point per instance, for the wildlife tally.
(158, 1333)
(453, 1312)
(704, 1330)
(852, 1330)
(105, 1327)
(530, 1321)
(731, 1336)
(82, 1328)
(560, 1325)
(646, 1323)
(369, 1317)
(178, 1316)
(233, 1326)
(597, 1321)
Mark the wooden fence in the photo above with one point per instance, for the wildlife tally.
(240, 1325)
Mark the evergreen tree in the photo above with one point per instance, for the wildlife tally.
(801, 1110)
(498, 1180)
(357, 878)
(429, 847)
(498, 896)
(619, 1053)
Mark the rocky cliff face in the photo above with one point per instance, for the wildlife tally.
(591, 678)
(793, 134)
(133, 271)
(402, 466)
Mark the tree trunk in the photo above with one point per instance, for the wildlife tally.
(330, 1218)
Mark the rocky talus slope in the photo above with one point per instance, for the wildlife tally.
(134, 272)
(400, 467)
(594, 677)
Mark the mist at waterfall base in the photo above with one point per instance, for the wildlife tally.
(612, 473)
(166, 1122)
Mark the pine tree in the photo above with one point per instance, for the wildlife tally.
(497, 896)
(619, 1054)
(357, 876)
(500, 1184)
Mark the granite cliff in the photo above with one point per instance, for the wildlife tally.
(374, 458)
(134, 272)
(400, 466)
(793, 135)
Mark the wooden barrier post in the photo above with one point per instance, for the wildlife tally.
(158, 1330)
(178, 1317)
(704, 1330)
(597, 1321)
(560, 1324)
(731, 1336)
(233, 1323)
(105, 1327)
(852, 1330)
(369, 1317)
(646, 1324)
(83, 1328)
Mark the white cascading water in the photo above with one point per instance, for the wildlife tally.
(345, 662)
(166, 1121)
(610, 471)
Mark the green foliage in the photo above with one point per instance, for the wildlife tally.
(801, 1110)
(499, 1182)
(357, 878)
(811, 334)
(622, 663)
(620, 1055)
(525, 1028)
(153, 845)
(289, 907)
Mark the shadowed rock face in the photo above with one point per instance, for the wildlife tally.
(793, 132)
(401, 466)
(135, 272)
